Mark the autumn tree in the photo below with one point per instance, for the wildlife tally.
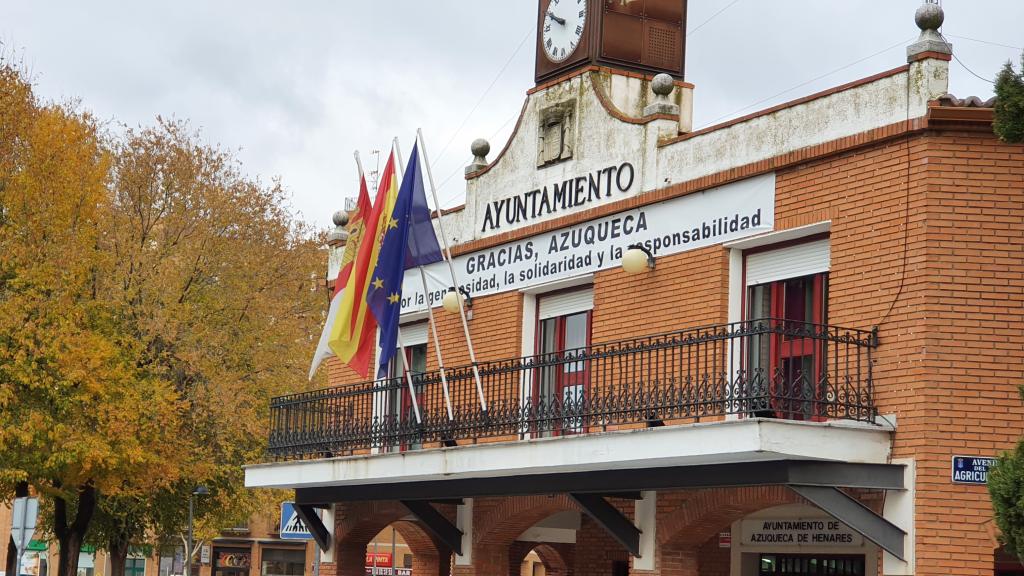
(152, 300)
(216, 277)
(80, 414)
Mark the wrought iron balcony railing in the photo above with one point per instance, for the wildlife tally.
(758, 368)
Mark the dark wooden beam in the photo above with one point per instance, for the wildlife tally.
(435, 523)
(860, 518)
(316, 526)
(609, 517)
(760, 473)
(623, 495)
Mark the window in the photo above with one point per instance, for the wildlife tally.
(172, 561)
(559, 391)
(276, 562)
(135, 566)
(804, 565)
(398, 403)
(86, 563)
(785, 355)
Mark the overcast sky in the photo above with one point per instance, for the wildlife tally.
(296, 87)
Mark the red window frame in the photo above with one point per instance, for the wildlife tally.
(563, 380)
(782, 349)
(405, 411)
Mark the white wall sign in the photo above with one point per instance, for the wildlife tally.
(799, 532)
(707, 218)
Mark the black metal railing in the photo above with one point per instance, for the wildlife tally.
(758, 368)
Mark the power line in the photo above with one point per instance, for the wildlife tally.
(986, 42)
(446, 198)
(812, 80)
(462, 125)
(692, 31)
(960, 62)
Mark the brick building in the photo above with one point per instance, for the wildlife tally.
(801, 375)
(254, 548)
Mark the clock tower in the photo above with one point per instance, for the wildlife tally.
(646, 36)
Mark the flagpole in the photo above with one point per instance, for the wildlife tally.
(430, 316)
(451, 268)
(359, 164)
(405, 358)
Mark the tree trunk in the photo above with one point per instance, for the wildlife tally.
(12, 568)
(71, 534)
(117, 548)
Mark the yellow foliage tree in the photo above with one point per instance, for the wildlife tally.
(152, 300)
(80, 417)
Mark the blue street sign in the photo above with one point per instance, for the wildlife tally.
(292, 527)
(971, 469)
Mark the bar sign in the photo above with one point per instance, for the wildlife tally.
(971, 469)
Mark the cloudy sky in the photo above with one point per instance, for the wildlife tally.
(296, 87)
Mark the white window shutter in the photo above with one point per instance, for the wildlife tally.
(789, 262)
(566, 303)
(413, 334)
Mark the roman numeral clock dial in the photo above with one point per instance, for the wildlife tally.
(564, 23)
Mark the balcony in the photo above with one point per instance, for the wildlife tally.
(766, 368)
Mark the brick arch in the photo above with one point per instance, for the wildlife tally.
(705, 512)
(429, 557)
(357, 523)
(361, 521)
(553, 558)
(497, 524)
(512, 516)
(557, 558)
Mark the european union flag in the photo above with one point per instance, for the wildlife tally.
(408, 241)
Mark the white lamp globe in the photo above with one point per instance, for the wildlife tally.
(451, 301)
(634, 261)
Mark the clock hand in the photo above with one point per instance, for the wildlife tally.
(556, 18)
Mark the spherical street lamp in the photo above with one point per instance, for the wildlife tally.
(637, 259)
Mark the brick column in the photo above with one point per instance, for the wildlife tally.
(431, 564)
(517, 552)
(487, 561)
(678, 562)
(350, 558)
(596, 551)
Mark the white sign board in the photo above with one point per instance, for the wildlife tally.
(698, 220)
(799, 532)
(23, 526)
(204, 554)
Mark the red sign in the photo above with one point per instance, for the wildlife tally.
(383, 559)
(725, 539)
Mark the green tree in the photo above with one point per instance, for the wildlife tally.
(1009, 112)
(1006, 489)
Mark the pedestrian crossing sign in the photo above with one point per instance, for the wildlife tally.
(292, 527)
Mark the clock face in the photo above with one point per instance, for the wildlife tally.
(564, 23)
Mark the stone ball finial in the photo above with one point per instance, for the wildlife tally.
(480, 147)
(662, 84)
(929, 16)
(340, 218)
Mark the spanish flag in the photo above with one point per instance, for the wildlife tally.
(354, 332)
(357, 227)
